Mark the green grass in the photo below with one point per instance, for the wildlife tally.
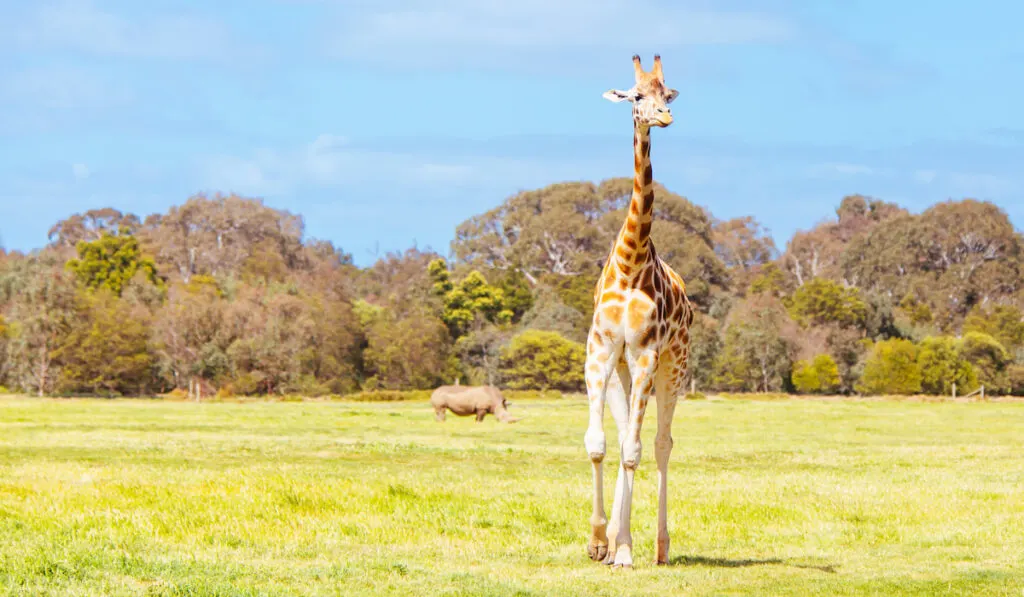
(783, 497)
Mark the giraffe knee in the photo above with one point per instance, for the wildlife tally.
(631, 451)
(593, 441)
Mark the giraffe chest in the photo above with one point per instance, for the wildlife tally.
(642, 310)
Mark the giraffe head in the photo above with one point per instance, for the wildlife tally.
(650, 96)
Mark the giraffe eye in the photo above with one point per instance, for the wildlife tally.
(639, 97)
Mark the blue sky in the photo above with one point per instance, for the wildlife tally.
(386, 123)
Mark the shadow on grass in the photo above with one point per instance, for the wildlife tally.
(726, 563)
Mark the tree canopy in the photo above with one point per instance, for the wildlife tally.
(225, 294)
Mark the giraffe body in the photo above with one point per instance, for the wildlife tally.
(640, 332)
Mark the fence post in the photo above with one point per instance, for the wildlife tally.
(982, 392)
(693, 386)
(954, 390)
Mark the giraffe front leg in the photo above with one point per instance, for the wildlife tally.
(600, 362)
(618, 403)
(644, 367)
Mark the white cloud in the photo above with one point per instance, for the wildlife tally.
(80, 26)
(480, 31)
(80, 171)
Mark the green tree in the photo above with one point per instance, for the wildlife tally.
(540, 360)
(756, 353)
(192, 334)
(517, 290)
(470, 300)
(550, 313)
(1005, 323)
(990, 360)
(891, 368)
(817, 376)
(942, 365)
(409, 352)
(566, 230)
(824, 302)
(770, 280)
(107, 349)
(41, 310)
(111, 261)
(479, 353)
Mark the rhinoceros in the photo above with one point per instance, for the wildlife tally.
(467, 400)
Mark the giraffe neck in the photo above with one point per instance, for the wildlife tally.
(634, 238)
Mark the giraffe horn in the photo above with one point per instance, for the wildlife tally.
(636, 67)
(656, 70)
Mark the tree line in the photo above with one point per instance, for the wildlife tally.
(225, 295)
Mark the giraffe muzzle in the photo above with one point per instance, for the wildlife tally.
(664, 119)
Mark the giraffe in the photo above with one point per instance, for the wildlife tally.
(640, 332)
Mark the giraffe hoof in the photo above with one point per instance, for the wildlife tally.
(609, 559)
(622, 567)
(597, 552)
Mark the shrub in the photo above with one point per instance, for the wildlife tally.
(308, 385)
(891, 368)
(818, 376)
(388, 396)
(541, 360)
(990, 360)
(942, 365)
(695, 396)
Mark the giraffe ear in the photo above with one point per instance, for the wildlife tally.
(614, 95)
(671, 94)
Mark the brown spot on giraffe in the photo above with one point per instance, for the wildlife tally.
(637, 314)
(614, 313)
(645, 230)
(650, 334)
(647, 282)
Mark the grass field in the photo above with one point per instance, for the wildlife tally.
(789, 497)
